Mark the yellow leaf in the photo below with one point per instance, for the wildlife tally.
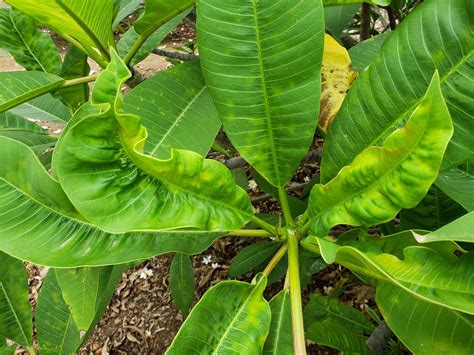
(337, 78)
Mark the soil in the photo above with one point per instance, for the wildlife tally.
(141, 317)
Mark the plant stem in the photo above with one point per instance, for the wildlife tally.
(264, 225)
(285, 206)
(78, 81)
(135, 48)
(295, 295)
(257, 233)
(142, 37)
(275, 260)
(305, 229)
(31, 350)
(365, 21)
(221, 150)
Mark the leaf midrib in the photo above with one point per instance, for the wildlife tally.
(178, 119)
(375, 182)
(235, 318)
(444, 78)
(382, 275)
(25, 43)
(264, 91)
(25, 338)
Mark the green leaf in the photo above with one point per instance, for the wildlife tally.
(84, 290)
(250, 257)
(177, 111)
(436, 36)
(75, 65)
(158, 12)
(7, 350)
(310, 264)
(461, 230)
(321, 308)
(103, 150)
(44, 108)
(349, 2)
(458, 183)
(334, 333)
(36, 212)
(382, 180)
(15, 309)
(439, 277)
(18, 87)
(337, 18)
(240, 321)
(182, 284)
(127, 7)
(280, 338)
(80, 290)
(25, 131)
(363, 53)
(240, 177)
(425, 328)
(57, 331)
(433, 212)
(31, 48)
(86, 24)
(265, 81)
(131, 36)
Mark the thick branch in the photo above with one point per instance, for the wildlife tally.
(176, 55)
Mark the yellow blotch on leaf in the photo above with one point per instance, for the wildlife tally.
(336, 79)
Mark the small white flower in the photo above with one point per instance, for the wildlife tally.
(256, 210)
(307, 179)
(215, 265)
(44, 127)
(207, 259)
(58, 131)
(252, 185)
(145, 273)
(327, 290)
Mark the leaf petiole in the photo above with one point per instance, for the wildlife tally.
(255, 233)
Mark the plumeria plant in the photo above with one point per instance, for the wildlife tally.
(128, 178)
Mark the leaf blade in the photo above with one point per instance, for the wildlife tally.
(18, 87)
(382, 180)
(181, 282)
(15, 309)
(242, 326)
(254, 101)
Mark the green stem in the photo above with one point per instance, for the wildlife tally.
(275, 260)
(257, 233)
(31, 350)
(285, 206)
(78, 81)
(135, 48)
(264, 225)
(221, 150)
(304, 231)
(295, 295)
